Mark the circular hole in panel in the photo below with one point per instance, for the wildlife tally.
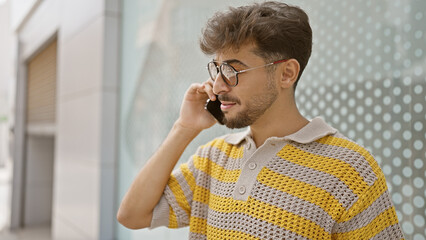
(387, 100)
(396, 162)
(368, 117)
(418, 89)
(407, 117)
(396, 108)
(368, 134)
(407, 99)
(418, 182)
(387, 152)
(418, 145)
(407, 227)
(418, 163)
(396, 91)
(377, 126)
(407, 172)
(407, 153)
(396, 126)
(396, 144)
(387, 117)
(397, 180)
(407, 209)
(418, 202)
(407, 135)
(418, 107)
(407, 190)
(377, 109)
(419, 236)
(386, 134)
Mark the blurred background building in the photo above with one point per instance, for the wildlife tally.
(89, 89)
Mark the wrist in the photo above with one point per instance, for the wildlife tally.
(181, 128)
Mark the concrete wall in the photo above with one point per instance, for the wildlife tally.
(85, 150)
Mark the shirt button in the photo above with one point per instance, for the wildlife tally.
(248, 146)
(252, 165)
(242, 190)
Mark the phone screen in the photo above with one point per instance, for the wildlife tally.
(214, 108)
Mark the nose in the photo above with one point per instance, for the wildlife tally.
(219, 85)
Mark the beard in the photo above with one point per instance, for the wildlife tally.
(255, 107)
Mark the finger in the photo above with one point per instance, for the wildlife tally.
(209, 90)
(195, 88)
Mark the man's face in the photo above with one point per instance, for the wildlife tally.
(256, 91)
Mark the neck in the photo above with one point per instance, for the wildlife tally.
(278, 121)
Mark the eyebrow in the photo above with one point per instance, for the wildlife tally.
(231, 61)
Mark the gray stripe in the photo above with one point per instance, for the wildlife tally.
(197, 236)
(390, 233)
(381, 204)
(217, 156)
(356, 160)
(294, 205)
(259, 158)
(199, 210)
(247, 224)
(160, 215)
(216, 187)
(182, 217)
(325, 181)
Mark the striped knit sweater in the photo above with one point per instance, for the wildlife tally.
(313, 184)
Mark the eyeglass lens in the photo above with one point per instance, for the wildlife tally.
(228, 73)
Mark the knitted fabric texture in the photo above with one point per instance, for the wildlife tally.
(330, 188)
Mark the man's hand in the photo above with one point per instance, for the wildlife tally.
(192, 113)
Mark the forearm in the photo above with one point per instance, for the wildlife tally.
(147, 188)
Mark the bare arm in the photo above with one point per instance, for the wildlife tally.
(137, 206)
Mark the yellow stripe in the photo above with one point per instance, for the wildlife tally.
(340, 142)
(336, 167)
(172, 219)
(384, 220)
(375, 191)
(179, 194)
(286, 220)
(268, 213)
(230, 150)
(201, 195)
(188, 175)
(215, 170)
(217, 233)
(303, 191)
(198, 225)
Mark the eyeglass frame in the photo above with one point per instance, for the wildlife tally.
(237, 72)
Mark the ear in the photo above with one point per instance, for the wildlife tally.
(289, 73)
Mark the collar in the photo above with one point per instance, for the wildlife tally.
(315, 129)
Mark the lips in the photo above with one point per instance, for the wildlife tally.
(227, 105)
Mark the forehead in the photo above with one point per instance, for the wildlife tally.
(245, 54)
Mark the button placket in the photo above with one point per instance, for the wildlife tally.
(253, 161)
(242, 190)
(252, 165)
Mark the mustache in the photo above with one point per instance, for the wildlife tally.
(229, 99)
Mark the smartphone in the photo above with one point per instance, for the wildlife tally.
(214, 108)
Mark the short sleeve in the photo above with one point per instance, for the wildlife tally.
(174, 208)
(372, 216)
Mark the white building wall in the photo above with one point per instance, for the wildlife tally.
(7, 72)
(85, 148)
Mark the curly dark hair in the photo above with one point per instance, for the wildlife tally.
(278, 31)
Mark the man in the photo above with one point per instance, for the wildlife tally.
(284, 178)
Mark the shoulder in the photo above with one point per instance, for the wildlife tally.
(338, 146)
(226, 143)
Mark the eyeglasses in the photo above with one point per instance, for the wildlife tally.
(229, 74)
